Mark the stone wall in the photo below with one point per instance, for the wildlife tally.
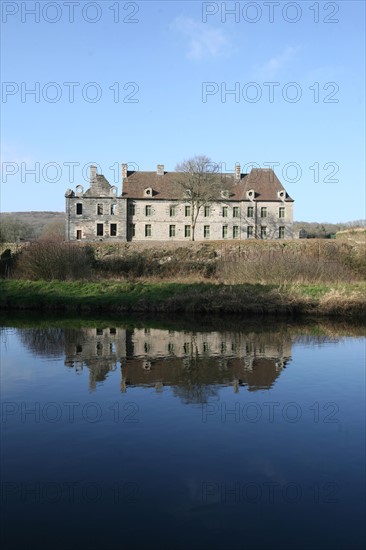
(113, 212)
(222, 224)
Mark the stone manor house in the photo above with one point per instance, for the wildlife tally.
(153, 206)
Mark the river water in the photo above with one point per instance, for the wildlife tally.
(231, 434)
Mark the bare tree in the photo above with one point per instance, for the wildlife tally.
(199, 179)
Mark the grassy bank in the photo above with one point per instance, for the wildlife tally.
(342, 300)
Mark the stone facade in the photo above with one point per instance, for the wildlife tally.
(151, 206)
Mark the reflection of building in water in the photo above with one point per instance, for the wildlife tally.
(98, 349)
(192, 362)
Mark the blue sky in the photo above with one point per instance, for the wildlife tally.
(151, 84)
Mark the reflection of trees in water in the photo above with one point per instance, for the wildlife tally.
(200, 379)
(195, 393)
(48, 342)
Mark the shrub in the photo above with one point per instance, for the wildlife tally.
(52, 259)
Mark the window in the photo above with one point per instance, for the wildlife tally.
(224, 231)
(100, 230)
(235, 231)
(171, 230)
(187, 230)
(250, 231)
(224, 211)
(113, 230)
(236, 212)
(100, 209)
(113, 209)
(132, 209)
(132, 230)
(207, 211)
(263, 232)
(281, 212)
(79, 208)
(250, 212)
(186, 347)
(78, 234)
(263, 212)
(148, 230)
(148, 210)
(172, 210)
(206, 231)
(281, 232)
(187, 210)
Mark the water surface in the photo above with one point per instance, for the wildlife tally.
(145, 435)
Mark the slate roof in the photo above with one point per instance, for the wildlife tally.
(263, 181)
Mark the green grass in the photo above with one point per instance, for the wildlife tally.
(345, 300)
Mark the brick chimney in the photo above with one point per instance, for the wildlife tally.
(124, 171)
(93, 173)
(160, 169)
(237, 172)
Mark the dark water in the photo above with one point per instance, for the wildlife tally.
(234, 436)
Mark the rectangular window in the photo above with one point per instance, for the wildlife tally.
(78, 234)
(172, 210)
(236, 212)
(263, 232)
(250, 231)
(79, 208)
(132, 209)
(171, 230)
(148, 230)
(224, 211)
(100, 209)
(281, 212)
(113, 209)
(148, 210)
(224, 231)
(281, 232)
(100, 230)
(250, 212)
(187, 230)
(113, 230)
(132, 230)
(235, 231)
(206, 231)
(187, 210)
(207, 212)
(263, 212)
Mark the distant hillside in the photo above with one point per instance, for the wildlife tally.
(26, 226)
(320, 228)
